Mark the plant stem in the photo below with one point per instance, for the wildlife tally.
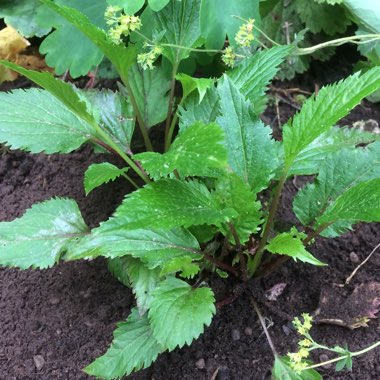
(220, 264)
(340, 41)
(269, 223)
(262, 321)
(128, 178)
(170, 108)
(140, 120)
(352, 354)
(243, 265)
(107, 140)
(313, 234)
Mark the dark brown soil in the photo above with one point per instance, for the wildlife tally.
(62, 318)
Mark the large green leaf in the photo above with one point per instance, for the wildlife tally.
(67, 48)
(143, 280)
(180, 21)
(170, 203)
(197, 151)
(157, 5)
(99, 174)
(151, 91)
(195, 110)
(319, 113)
(232, 191)
(153, 247)
(178, 313)
(331, 19)
(290, 244)
(113, 113)
(132, 349)
(41, 235)
(130, 7)
(251, 149)
(29, 17)
(122, 57)
(310, 159)
(217, 19)
(360, 203)
(61, 90)
(36, 121)
(190, 84)
(253, 75)
(338, 173)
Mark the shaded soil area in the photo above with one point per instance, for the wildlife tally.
(54, 322)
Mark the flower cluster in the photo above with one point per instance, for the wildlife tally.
(244, 36)
(229, 56)
(121, 24)
(297, 359)
(146, 60)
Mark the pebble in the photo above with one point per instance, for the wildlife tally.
(354, 258)
(54, 301)
(325, 358)
(248, 331)
(39, 361)
(200, 364)
(235, 335)
(223, 374)
(286, 330)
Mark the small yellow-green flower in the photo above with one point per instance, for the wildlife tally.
(305, 343)
(229, 56)
(244, 36)
(146, 60)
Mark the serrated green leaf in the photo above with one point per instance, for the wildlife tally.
(217, 19)
(41, 235)
(189, 84)
(310, 160)
(338, 172)
(319, 113)
(144, 281)
(36, 121)
(194, 110)
(157, 5)
(29, 18)
(326, 17)
(251, 149)
(197, 151)
(232, 191)
(170, 203)
(253, 75)
(132, 349)
(360, 203)
(180, 21)
(122, 57)
(99, 174)
(153, 247)
(113, 113)
(290, 244)
(283, 371)
(151, 91)
(178, 313)
(118, 269)
(203, 233)
(184, 264)
(68, 49)
(61, 90)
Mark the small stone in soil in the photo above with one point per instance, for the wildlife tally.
(325, 358)
(248, 331)
(223, 374)
(235, 335)
(39, 361)
(54, 301)
(200, 364)
(286, 330)
(354, 258)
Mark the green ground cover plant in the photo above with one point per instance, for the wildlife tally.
(200, 204)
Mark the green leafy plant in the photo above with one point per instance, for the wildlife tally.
(200, 205)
